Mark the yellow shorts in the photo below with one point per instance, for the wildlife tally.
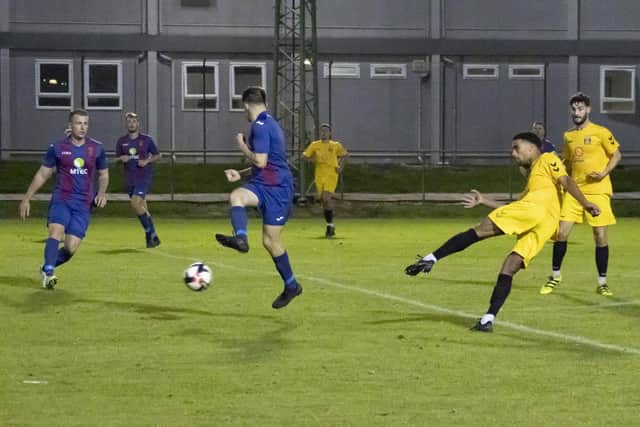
(530, 222)
(572, 211)
(326, 182)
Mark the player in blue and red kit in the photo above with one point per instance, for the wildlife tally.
(79, 163)
(270, 188)
(137, 151)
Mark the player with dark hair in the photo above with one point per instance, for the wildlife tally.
(78, 162)
(590, 153)
(329, 157)
(533, 219)
(270, 188)
(137, 152)
(539, 129)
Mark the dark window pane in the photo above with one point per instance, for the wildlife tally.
(54, 78)
(103, 101)
(54, 101)
(245, 77)
(236, 104)
(198, 104)
(194, 80)
(103, 78)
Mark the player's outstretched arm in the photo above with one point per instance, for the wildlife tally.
(572, 188)
(40, 177)
(476, 198)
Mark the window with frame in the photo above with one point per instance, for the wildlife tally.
(526, 72)
(241, 76)
(341, 70)
(103, 85)
(54, 84)
(480, 71)
(200, 86)
(618, 89)
(388, 71)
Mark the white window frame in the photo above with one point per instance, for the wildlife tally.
(355, 74)
(604, 99)
(232, 80)
(69, 93)
(467, 76)
(375, 75)
(87, 65)
(216, 85)
(538, 67)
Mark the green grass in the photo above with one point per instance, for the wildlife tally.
(122, 342)
(15, 177)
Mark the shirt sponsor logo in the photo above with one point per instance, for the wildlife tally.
(66, 153)
(587, 140)
(79, 168)
(133, 153)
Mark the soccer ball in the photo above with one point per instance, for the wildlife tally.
(198, 276)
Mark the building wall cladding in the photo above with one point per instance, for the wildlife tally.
(369, 115)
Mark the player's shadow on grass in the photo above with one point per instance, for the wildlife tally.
(120, 251)
(259, 347)
(466, 282)
(324, 238)
(425, 317)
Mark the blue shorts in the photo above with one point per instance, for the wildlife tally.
(140, 189)
(275, 202)
(73, 216)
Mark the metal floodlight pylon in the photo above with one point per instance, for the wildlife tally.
(295, 79)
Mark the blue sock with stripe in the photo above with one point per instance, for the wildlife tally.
(50, 255)
(284, 268)
(145, 220)
(239, 221)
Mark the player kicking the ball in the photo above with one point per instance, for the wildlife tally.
(533, 219)
(270, 188)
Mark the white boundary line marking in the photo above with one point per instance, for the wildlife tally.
(577, 339)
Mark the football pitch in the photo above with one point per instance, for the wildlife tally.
(122, 342)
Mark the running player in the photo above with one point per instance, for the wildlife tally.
(78, 161)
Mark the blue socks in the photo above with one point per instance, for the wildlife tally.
(63, 256)
(50, 255)
(239, 221)
(284, 268)
(147, 223)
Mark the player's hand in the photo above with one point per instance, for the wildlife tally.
(338, 169)
(596, 176)
(592, 209)
(100, 200)
(472, 199)
(25, 209)
(143, 162)
(232, 175)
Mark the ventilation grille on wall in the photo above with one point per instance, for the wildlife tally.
(195, 3)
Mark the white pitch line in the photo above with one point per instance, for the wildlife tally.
(435, 308)
(35, 382)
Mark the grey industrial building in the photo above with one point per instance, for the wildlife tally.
(451, 78)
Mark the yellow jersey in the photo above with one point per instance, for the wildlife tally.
(326, 154)
(589, 150)
(542, 186)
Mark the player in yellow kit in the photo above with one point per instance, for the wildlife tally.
(329, 157)
(590, 152)
(533, 219)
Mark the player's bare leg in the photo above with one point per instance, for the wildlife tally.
(457, 243)
(239, 199)
(272, 242)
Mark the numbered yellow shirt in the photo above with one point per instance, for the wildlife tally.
(542, 185)
(326, 155)
(589, 150)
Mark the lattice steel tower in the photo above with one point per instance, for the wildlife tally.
(295, 78)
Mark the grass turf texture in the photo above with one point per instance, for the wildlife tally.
(122, 342)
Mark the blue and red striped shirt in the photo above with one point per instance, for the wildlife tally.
(77, 169)
(140, 148)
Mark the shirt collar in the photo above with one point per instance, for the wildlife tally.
(262, 116)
